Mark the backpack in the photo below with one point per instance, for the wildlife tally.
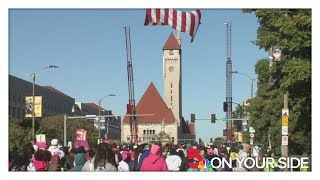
(54, 164)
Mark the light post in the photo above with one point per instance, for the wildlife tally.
(250, 78)
(99, 127)
(33, 98)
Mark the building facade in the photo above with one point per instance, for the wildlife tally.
(160, 124)
(53, 101)
(166, 124)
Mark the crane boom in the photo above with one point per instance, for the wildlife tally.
(131, 106)
(229, 82)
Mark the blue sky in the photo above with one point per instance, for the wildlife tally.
(89, 47)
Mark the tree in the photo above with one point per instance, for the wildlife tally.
(18, 135)
(53, 128)
(289, 29)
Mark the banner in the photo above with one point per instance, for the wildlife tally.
(37, 106)
(41, 138)
(81, 139)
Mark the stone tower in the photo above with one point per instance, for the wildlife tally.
(172, 76)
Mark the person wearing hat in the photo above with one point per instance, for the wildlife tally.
(54, 146)
(154, 162)
(42, 157)
(123, 164)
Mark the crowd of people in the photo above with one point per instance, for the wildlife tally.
(123, 157)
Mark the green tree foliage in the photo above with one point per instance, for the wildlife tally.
(53, 128)
(18, 134)
(291, 31)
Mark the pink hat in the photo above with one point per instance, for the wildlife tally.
(124, 155)
(194, 147)
(41, 145)
(155, 149)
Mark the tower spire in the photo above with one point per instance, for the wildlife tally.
(179, 38)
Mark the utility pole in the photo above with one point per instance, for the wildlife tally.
(285, 129)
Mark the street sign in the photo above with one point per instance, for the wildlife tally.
(252, 135)
(251, 130)
(284, 130)
(284, 120)
(251, 141)
(285, 112)
(284, 140)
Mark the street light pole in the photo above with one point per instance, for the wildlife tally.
(33, 102)
(250, 78)
(99, 127)
(33, 97)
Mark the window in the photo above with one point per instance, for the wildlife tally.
(14, 112)
(171, 85)
(171, 98)
(153, 131)
(144, 131)
(171, 52)
(18, 113)
(128, 138)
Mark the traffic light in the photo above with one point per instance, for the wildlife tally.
(193, 118)
(225, 106)
(213, 118)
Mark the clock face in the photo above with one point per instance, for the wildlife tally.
(171, 68)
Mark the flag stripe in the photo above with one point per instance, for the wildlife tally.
(148, 17)
(166, 16)
(153, 15)
(162, 16)
(188, 22)
(183, 22)
(174, 19)
(178, 21)
(170, 17)
(192, 24)
(158, 16)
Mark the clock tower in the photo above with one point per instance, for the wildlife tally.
(172, 75)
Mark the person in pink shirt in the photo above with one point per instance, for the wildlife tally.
(154, 162)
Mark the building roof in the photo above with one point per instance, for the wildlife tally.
(171, 43)
(54, 90)
(152, 103)
(93, 106)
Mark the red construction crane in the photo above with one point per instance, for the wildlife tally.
(131, 107)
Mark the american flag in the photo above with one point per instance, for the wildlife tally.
(179, 20)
